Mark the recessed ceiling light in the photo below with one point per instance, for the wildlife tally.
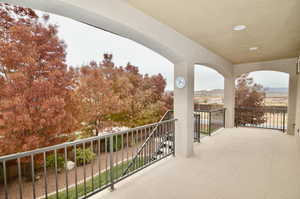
(239, 27)
(253, 48)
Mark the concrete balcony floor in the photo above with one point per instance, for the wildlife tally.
(240, 163)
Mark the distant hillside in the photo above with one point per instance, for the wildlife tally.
(276, 90)
(220, 92)
(214, 93)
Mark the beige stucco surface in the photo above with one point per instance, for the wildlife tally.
(272, 25)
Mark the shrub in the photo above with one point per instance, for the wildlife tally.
(117, 143)
(50, 161)
(86, 154)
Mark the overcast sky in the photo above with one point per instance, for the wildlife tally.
(86, 43)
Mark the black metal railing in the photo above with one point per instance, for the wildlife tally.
(268, 117)
(162, 141)
(207, 122)
(84, 167)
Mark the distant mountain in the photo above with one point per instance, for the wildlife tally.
(220, 92)
(213, 92)
(276, 90)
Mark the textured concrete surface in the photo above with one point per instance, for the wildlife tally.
(234, 164)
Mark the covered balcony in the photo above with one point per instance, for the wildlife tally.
(189, 153)
(234, 163)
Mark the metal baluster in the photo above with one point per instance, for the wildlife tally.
(145, 148)
(76, 180)
(84, 168)
(198, 126)
(136, 150)
(169, 137)
(284, 115)
(151, 147)
(161, 140)
(5, 179)
(92, 165)
(141, 150)
(278, 119)
(132, 149)
(273, 119)
(166, 134)
(224, 117)
(111, 163)
(20, 178)
(127, 149)
(153, 143)
(106, 163)
(166, 137)
(45, 176)
(207, 121)
(173, 140)
(66, 172)
(209, 124)
(99, 162)
(56, 180)
(116, 153)
(122, 142)
(33, 176)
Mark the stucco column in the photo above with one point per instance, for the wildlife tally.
(183, 110)
(292, 104)
(229, 100)
(297, 108)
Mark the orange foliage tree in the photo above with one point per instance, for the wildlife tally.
(112, 95)
(97, 98)
(43, 101)
(36, 84)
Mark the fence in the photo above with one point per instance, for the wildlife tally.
(208, 121)
(268, 117)
(84, 167)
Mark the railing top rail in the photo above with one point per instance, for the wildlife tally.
(219, 109)
(77, 142)
(209, 111)
(269, 108)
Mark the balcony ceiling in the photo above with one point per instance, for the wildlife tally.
(272, 25)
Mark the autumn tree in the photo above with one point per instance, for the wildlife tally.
(144, 99)
(97, 98)
(35, 83)
(249, 101)
(113, 95)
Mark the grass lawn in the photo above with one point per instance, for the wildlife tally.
(99, 181)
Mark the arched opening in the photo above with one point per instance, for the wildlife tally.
(82, 83)
(208, 101)
(262, 100)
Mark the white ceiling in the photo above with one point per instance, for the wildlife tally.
(272, 25)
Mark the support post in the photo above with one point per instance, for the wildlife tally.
(297, 108)
(292, 101)
(184, 110)
(229, 100)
